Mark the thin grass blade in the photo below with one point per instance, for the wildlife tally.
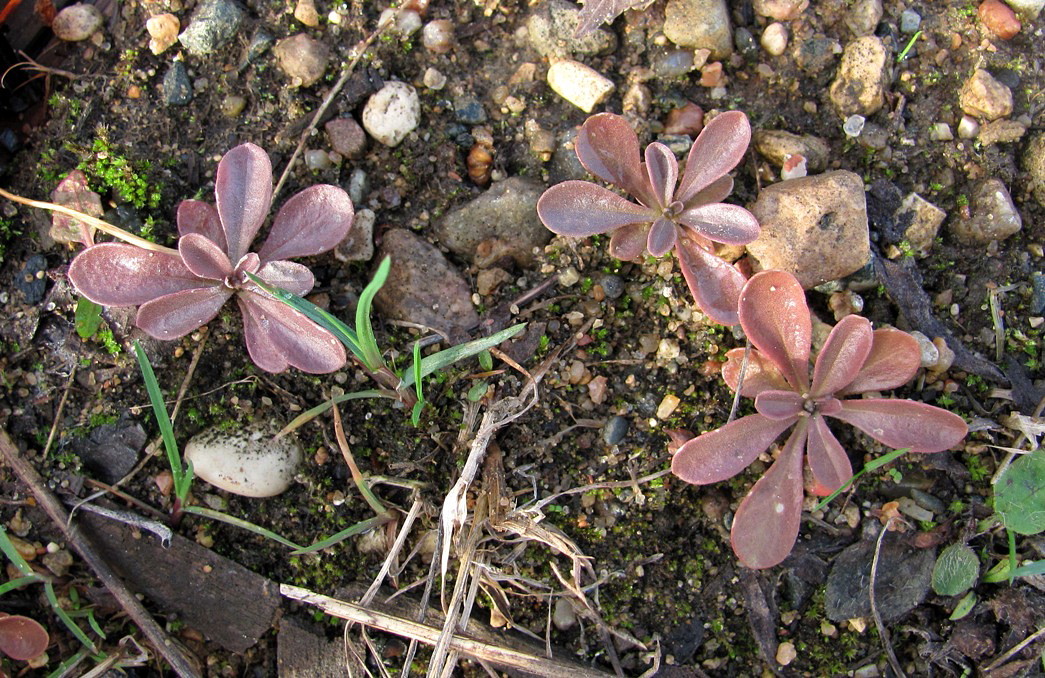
(364, 330)
(438, 361)
(182, 475)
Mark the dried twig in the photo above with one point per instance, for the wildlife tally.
(883, 633)
(1018, 647)
(159, 639)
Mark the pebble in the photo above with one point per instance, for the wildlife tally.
(259, 44)
(582, 86)
(317, 160)
(774, 38)
(77, 22)
(232, 105)
(859, 86)
(358, 185)
(489, 279)
(392, 112)
(999, 19)
(1033, 162)
(563, 615)
(615, 430)
(794, 167)
(438, 36)
(163, 32)
(598, 388)
(863, 16)
(247, 462)
(1001, 132)
(358, 244)
(667, 406)
(814, 227)
(433, 79)
(673, 63)
(700, 24)
(469, 110)
(58, 562)
(816, 54)
(423, 286)
(984, 97)
(407, 21)
(854, 126)
(776, 145)
(910, 20)
(612, 285)
(212, 24)
(744, 42)
(1038, 287)
(968, 127)
(111, 451)
(32, 279)
(930, 354)
(1028, 8)
(346, 137)
(550, 31)
(305, 12)
(992, 215)
(786, 653)
(302, 58)
(507, 214)
(909, 507)
(940, 131)
(901, 583)
(781, 10)
(925, 219)
(177, 89)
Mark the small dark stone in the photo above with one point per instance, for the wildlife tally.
(901, 583)
(612, 285)
(1037, 281)
(684, 640)
(177, 90)
(111, 450)
(615, 430)
(259, 44)
(745, 43)
(32, 280)
(816, 54)
(469, 110)
(213, 23)
(1007, 77)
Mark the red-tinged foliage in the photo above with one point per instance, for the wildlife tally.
(22, 638)
(853, 360)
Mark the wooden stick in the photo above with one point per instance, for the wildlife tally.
(533, 663)
(159, 639)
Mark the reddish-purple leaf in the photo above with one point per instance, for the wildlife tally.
(203, 257)
(117, 274)
(278, 336)
(609, 148)
(196, 216)
(779, 405)
(716, 191)
(827, 458)
(904, 423)
(766, 523)
(243, 192)
(662, 237)
(892, 362)
(175, 315)
(775, 318)
(291, 276)
(714, 283)
(22, 638)
(843, 354)
(663, 171)
(721, 454)
(581, 208)
(717, 149)
(313, 221)
(759, 375)
(717, 221)
(629, 242)
(74, 193)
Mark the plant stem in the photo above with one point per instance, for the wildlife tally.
(103, 226)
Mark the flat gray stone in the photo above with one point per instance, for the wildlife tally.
(859, 86)
(551, 27)
(813, 227)
(992, 215)
(701, 24)
(212, 24)
(423, 287)
(901, 581)
(502, 220)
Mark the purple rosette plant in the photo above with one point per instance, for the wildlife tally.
(853, 360)
(177, 292)
(686, 215)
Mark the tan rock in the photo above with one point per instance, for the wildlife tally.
(992, 215)
(699, 24)
(776, 145)
(925, 219)
(163, 31)
(814, 227)
(859, 86)
(984, 97)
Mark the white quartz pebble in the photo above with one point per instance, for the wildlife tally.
(582, 86)
(392, 112)
(246, 462)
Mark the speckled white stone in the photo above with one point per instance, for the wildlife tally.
(582, 86)
(392, 112)
(246, 462)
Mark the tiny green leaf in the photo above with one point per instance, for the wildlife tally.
(964, 606)
(955, 571)
(88, 317)
(1019, 495)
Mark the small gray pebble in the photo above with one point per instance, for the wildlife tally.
(259, 44)
(469, 110)
(1038, 284)
(177, 90)
(909, 21)
(611, 284)
(615, 430)
(745, 43)
(358, 186)
(678, 143)
(31, 281)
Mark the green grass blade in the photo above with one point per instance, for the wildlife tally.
(19, 583)
(66, 619)
(358, 528)
(438, 361)
(319, 409)
(242, 524)
(345, 334)
(163, 420)
(364, 329)
(869, 466)
(1028, 570)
